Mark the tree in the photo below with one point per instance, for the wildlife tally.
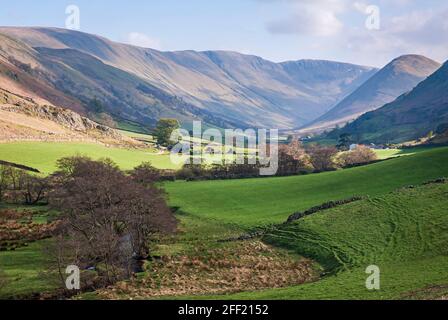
(33, 188)
(292, 158)
(108, 218)
(22, 186)
(360, 155)
(164, 129)
(345, 140)
(145, 174)
(322, 158)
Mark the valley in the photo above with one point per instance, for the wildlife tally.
(207, 219)
(87, 179)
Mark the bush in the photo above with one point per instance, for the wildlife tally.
(145, 174)
(360, 155)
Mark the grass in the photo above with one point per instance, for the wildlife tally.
(398, 280)
(129, 126)
(23, 269)
(43, 155)
(404, 233)
(138, 136)
(400, 226)
(391, 153)
(254, 202)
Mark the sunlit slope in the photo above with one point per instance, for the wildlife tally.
(254, 202)
(43, 156)
(404, 233)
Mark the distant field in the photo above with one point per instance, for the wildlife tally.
(43, 155)
(254, 202)
(403, 233)
(138, 136)
(390, 153)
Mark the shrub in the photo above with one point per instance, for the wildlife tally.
(145, 174)
(360, 155)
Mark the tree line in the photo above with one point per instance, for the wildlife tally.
(293, 159)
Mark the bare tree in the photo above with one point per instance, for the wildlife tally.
(145, 174)
(33, 188)
(22, 186)
(322, 157)
(108, 218)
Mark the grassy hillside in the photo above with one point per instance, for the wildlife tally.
(404, 233)
(43, 156)
(411, 116)
(399, 76)
(255, 202)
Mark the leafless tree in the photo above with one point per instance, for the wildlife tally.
(33, 188)
(145, 174)
(108, 217)
(322, 157)
(22, 186)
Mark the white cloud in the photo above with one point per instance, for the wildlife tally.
(143, 40)
(337, 27)
(420, 32)
(315, 18)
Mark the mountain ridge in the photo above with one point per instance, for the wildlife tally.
(230, 88)
(399, 76)
(411, 116)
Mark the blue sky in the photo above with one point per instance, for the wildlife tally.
(277, 30)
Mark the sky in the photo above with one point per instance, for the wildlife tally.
(367, 32)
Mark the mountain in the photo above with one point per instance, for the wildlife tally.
(92, 74)
(23, 119)
(398, 77)
(411, 116)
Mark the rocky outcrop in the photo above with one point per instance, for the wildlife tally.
(24, 119)
(67, 118)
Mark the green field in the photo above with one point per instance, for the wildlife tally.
(391, 153)
(404, 233)
(43, 155)
(255, 202)
(24, 269)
